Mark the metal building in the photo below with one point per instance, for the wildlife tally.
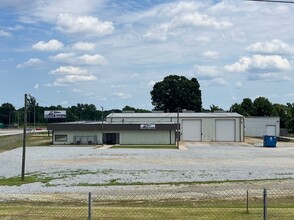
(152, 128)
(260, 126)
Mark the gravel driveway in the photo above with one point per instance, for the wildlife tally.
(73, 166)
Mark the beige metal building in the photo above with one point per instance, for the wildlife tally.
(152, 128)
(259, 126)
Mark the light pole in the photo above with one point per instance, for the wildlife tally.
(31, 97)
(102, 125)
(178, 128)
(24, 138)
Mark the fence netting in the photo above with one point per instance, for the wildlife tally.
(119, 203)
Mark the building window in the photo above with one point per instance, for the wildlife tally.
(61, 138)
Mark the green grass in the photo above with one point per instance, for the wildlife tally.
(16, 181)
(145, 146)
(155, 209)
(37, 139)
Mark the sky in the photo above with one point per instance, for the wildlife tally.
(110, 53)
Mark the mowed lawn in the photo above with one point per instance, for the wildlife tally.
(161, 209)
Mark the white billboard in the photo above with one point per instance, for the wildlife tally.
(55, 114)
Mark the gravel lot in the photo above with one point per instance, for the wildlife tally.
(73, 166)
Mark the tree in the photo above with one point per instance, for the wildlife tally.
(214, 108)
(176, 92)
(236, 108)
(6, 110)
(262, 107)
(137, 110)
(283, 112)
(246, 107)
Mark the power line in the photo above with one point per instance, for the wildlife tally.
(272, 1)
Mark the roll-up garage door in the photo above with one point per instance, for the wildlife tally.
(225, 130)
(191, 130)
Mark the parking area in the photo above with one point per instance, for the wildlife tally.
(70, 167)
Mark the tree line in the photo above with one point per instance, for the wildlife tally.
(172, 94)
(10, 116)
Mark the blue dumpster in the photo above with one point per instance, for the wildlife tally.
(269, 141)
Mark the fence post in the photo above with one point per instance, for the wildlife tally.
(247, 202)
(90, 206)
(264, 204)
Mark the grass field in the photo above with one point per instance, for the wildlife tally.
(38, 139)
(222, 209)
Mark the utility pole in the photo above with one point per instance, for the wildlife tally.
(24, 138)
(102, 124)
(178, 128)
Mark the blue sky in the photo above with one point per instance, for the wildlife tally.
(110, 52)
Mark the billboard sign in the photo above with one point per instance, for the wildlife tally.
(147, 126)
(55, 114)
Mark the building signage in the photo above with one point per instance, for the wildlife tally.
(55, 114)
(147, 126)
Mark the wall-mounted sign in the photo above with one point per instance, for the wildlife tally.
(55, 114)
(147, 126)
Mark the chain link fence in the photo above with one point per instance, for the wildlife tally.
(194, 204)
(10, 139)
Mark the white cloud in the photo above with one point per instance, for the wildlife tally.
(206, 72)
(64, 57)
(218, 82)
(197, 19)
(83, 60)
(72, 79)
(4, 33)
(239, 85)
(274, 46)
(36, 86)
(83, 46)
(52, 45)
(118, 86)
(269, 77)
(77, 90)
(161, 31)
(122, 95)
(86, 25)
(178, 8)
(33, 62)
(211, 54)
(259, 62)
(92, 59)
(70, 70)
(290, 94)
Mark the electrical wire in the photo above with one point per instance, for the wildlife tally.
(272, 1)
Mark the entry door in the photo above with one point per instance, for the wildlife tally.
(111, 138)
(191, 130)
(225, 130)
(271, 130)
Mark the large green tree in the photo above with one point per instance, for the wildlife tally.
(262, 107)
(6, 111)
(176, 92)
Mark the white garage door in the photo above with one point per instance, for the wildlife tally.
(271, 130)
(191, 130)
(225, 130)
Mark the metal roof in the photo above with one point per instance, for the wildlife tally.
(174, 115)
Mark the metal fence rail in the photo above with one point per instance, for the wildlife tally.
(196, 204)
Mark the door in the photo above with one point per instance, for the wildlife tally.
(271, 130)
(225, 130)
(191, 130)
(111, 138)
